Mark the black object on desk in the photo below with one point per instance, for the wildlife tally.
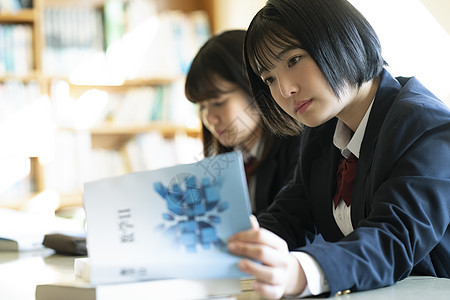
(65, 244)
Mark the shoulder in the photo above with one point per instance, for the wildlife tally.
(415, 117)
(282, 143)
(416, 107)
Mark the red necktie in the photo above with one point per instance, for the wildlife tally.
(345, 178)
(248, 166)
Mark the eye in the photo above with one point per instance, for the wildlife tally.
(293, 61)
(219, 102)
(268, 80)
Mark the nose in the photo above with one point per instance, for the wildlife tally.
(287, 86)
(209, 116)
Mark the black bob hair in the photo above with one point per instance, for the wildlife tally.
(334, 33)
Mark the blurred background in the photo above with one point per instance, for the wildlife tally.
(95, 88)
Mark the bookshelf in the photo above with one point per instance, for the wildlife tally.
(71, 139)
(20, 89)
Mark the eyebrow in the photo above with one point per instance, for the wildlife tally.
(261, 70)
(278, 56)
(283, 52)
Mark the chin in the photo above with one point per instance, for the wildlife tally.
(226, 143)
(312, 124)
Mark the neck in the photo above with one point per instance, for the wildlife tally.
(249, 143)
(355, 111)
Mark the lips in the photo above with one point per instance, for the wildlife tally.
(301, 106)
(220, 132)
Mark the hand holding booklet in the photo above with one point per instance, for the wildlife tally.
(171, 223)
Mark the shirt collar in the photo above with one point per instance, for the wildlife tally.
(254, 152)
(345, 141)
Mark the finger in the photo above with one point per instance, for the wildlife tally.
(262, 237)
(254, 222)
(263, 273)
(262, 253)
(268, 283)
(268, 291)
(244, 236)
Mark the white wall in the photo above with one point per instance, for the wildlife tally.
(414, 42)
(440, 9)
(235, 14)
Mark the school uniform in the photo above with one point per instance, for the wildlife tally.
(273, 170)
(400, 207)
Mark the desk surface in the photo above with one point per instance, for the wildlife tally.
(21, 272)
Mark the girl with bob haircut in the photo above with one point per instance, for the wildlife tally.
(316, 67)
(218, 83)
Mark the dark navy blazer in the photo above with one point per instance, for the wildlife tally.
(401, 198)
(275, 171)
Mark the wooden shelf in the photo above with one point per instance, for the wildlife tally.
(15, 77)
(69, 200)
(77, 89)
(123, 84)
(76, 3)
(65, 200)
(16, 202)
(22, 16)
(113, 136)
(165, 128)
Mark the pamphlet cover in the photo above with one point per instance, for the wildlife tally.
(168, 223)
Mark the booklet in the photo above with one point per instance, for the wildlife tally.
(168, 223)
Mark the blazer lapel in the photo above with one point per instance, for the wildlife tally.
(362, 191)
(324, 158)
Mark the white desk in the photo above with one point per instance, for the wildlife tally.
(412, 288)
(21, 272)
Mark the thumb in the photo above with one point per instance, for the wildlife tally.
(254, 222)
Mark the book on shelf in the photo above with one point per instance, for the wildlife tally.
(16, 54)
(168, 223)
(73, 35)
(139, 41)
(114, 14)
(13, 6)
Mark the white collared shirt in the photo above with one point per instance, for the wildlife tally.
(347, 143)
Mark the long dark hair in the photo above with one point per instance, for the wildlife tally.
(336, 35)
(220, 57)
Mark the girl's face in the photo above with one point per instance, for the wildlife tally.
(230, 117)
(300, 89)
